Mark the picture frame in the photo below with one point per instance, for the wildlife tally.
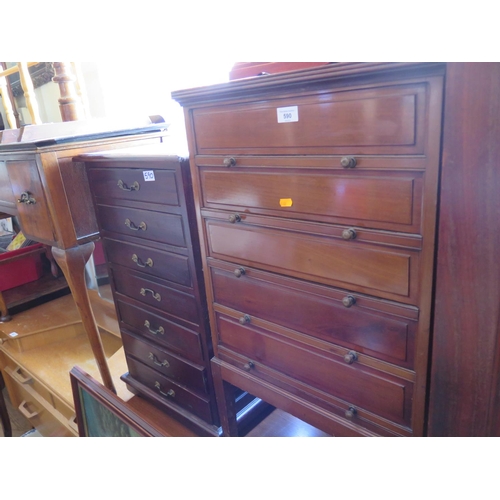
(101, 413)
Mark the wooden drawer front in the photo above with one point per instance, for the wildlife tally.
(143, 321)
(166, 265)
(317, 311)
(7, 199)
(163, 386)
(105, 184)
(358, 266)
(174, 302)
(389, 120)
(166, 363)
(380, 393)
(144, 224)
(369, 199)
(37, 408)
(34, 215)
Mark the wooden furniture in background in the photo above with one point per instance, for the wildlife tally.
(49, 193)
(316, 195)
(144, 206)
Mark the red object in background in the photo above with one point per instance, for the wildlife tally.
(249, 69)
(21, 266)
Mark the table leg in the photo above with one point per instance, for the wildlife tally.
(72, 262)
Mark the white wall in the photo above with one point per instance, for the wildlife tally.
(115, 89)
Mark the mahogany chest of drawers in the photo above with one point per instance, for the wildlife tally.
(143, 202)
(316, 194)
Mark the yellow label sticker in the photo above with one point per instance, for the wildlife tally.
(286, 202)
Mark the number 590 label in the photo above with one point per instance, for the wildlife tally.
(288, 114)
(149, 175)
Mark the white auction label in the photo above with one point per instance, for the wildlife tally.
(149, 175)
(288, 114)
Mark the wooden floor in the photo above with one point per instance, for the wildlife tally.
(277, 424)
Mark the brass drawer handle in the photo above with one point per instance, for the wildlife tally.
(26, 198)
(133, 187)
(245, 319)
(349, 301)
(349, 234)
(141, 227)
(156, 361)
(348, 162)
(239, 272)
(229, 162)
(351, 412)
(160, 330)
(138, 261)
(248, 366)
(351, 357)
(234, 218)
(169, 394)
(155, 295)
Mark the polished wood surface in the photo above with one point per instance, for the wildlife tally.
(465, 377)
(343, 196)
(49, 193)
(379, 329)
(149, 238)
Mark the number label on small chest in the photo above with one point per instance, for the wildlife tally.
(288, 114)
(149, 175)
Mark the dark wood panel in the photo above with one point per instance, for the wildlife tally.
(464, 392)
(165, 362)
(388, 200)
(385, 121)
(176, 303)
(289, 304)
(143, 224)
(165, 265)
(155, 327)
(129, 184)
(169, 390)
(34, 216)
(375, 391)
(384, 272)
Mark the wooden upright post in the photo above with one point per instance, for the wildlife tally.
(69, 103)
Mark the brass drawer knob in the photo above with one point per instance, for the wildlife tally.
(169, 394)
(351, 412)
(141, 227)
(160, 330)
(348, 162)
(349, 234)
(26, 198)
(245, 319)
(351, 357)
(239, 272)
(248, 366)
(234, 218)
(229, 162)
(138, 261)
(133, 187)
(349, 301)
